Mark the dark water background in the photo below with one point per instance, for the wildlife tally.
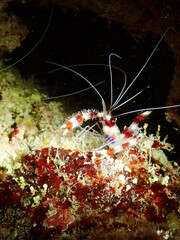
(84, 38)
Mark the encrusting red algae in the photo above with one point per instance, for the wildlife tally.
(57, 190)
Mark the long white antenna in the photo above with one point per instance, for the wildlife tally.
(80, 75)
(111, 78)
(143, 66)
(128, 100)
(95, 64)
(148, 109)
(119, 96)
(86, 65)
(70, 94)
(47, 27)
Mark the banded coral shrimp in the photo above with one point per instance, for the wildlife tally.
(116, 141)
(126, 155)
(64, 186)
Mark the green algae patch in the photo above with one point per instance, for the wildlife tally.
(28, 123)
(24, 117)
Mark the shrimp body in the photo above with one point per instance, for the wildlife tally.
(116, 141)
(78, 119)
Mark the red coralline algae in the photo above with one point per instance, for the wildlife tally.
(61, 191)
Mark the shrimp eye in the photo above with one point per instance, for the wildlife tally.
(111, 122)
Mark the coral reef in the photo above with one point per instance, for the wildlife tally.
(12, 30)
(57, 187)
(63, 194)
(49, 190)
(24, 117)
